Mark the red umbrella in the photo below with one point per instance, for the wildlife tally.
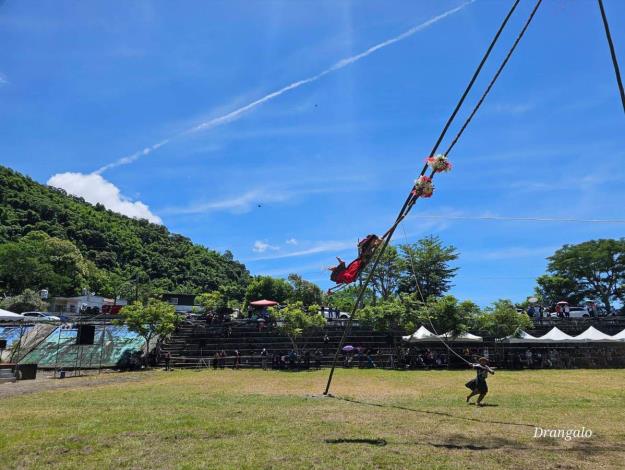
(263, 303)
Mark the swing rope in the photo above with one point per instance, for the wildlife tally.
(418, 289)
(412, 197)
(617, 71)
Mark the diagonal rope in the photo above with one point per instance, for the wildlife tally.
(416, 282)
(411, 199)
(617, 71)
(495, 77)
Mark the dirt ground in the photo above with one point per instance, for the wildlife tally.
(45, 381)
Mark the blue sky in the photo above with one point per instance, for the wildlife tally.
(85, 84)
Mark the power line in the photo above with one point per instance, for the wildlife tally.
(521, 219)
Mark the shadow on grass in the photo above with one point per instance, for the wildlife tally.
(437, 413)
(373, 442)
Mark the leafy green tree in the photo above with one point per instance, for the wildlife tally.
(294, 319)
(502, 319)
(267, 287)
(427, 265)
(385, 279)
(385, 315)
(304, 291)
(446, 314)
(597, 267)
(27, 301)
(40, 261)
(554, 288)
(154, 318)
(345, 299)
(211, 301)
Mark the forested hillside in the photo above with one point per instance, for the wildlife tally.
(112, 249)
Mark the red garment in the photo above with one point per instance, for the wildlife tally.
(349, 274)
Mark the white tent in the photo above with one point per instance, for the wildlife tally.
(462, 338)
(5, 315)
(422, 334)
(522, 337)
(593, 334)
(555, 335)
(619, 336)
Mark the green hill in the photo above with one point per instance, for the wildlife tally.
(114, 248)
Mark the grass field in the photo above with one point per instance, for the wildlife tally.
(256, 419)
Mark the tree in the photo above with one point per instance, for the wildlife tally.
(267, 287)
(211, 301)
(446, 314)
(427, 263)
(27, 301)
(385, 279)
(295, 319)
(345, 299)
(502, 319)
(39, 261)
(597, 267)
(385, 315)
(554, 288)
(304, 291)
(154, 318)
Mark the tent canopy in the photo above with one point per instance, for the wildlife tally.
(521, 337)
(5, 315)
(555, 334)
(619, 336)
(462, 338)
(421, 335)
(263, 303)
(593, 334)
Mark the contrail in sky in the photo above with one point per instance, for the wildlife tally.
(233, 115)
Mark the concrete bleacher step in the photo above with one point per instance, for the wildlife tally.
(7, 375)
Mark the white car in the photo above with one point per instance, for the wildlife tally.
(40, 316)
(578, 312)
(574, 312)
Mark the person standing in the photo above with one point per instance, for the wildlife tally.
(167, 357)
(237, 359)
(263, 358)
(478, 384)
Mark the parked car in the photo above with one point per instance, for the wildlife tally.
(574, 312)
(40, 316)
(578, 312)
(334, 314)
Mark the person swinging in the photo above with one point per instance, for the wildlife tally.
(344, 273)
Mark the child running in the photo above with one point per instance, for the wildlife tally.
(478, 384)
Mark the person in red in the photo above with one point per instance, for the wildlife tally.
(342, 274)
(346, 274)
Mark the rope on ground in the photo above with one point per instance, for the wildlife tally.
(617, 71)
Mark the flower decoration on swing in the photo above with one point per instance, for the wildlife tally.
(423, 186)
(439, 163)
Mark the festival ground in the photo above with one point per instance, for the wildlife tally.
(256, 419)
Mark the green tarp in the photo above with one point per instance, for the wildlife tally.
(112, 346)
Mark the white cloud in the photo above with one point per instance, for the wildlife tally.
(261, 246)
(95, 189)
(319, 247)
(291, 241)
(3, 80)
(237, 204)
